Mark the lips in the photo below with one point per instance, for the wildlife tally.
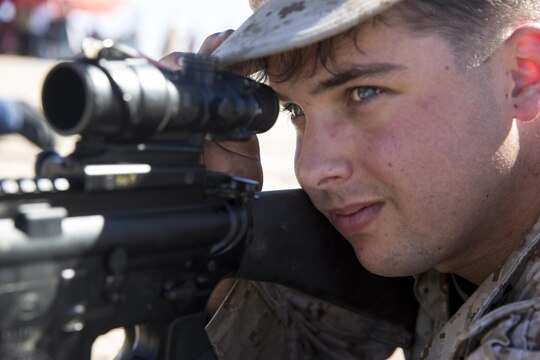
(355, 219)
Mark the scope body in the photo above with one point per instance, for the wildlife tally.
(132, 99)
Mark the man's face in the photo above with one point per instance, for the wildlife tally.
(409, 155)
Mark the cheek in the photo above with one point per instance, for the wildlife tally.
(419, 153)
(401, 149)
(430, 133)
(434, 155)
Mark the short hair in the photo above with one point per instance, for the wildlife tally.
(474, 28)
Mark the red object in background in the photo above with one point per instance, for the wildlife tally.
(87, 5)
(95, 5)
(28, 3)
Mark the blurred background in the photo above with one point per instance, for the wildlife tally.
(35, 34)
(55, 28)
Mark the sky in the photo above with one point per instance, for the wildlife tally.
(204, 17)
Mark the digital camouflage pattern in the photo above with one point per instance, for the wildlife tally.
(268, 322)
(501, 320)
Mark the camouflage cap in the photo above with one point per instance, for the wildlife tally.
(282, 25)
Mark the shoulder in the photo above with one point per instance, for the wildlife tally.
(269, 321)
(511, 331)
(512, 326)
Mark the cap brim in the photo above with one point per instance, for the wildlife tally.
(283, 25)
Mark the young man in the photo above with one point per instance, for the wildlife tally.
(418, 138)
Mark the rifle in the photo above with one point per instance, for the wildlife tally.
(131, 230)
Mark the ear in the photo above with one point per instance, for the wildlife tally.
(524, 47)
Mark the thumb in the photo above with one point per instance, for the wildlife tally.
(213, 41)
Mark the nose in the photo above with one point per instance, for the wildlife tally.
(323, 157)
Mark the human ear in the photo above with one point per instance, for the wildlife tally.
(524, 44)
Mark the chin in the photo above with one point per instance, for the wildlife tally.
(387, 271)
(387, 266)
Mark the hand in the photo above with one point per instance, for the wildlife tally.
(235, 158)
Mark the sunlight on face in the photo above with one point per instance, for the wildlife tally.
(399, 149)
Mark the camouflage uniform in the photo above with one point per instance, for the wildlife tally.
(501, 320)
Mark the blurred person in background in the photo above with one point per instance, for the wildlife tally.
(8, 32)
(46, 28)
(34, 28)
(56, 28)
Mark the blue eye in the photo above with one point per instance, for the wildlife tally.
(365, 93)
(294, 110)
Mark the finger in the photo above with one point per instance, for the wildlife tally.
(213, 41)
(234, 158)
(248, 149)
(172, 61)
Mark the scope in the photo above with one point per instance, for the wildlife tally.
(133, 98)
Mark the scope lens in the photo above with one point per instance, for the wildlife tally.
(64, 98)
(269, 103)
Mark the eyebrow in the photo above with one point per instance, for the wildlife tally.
(356, 72)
